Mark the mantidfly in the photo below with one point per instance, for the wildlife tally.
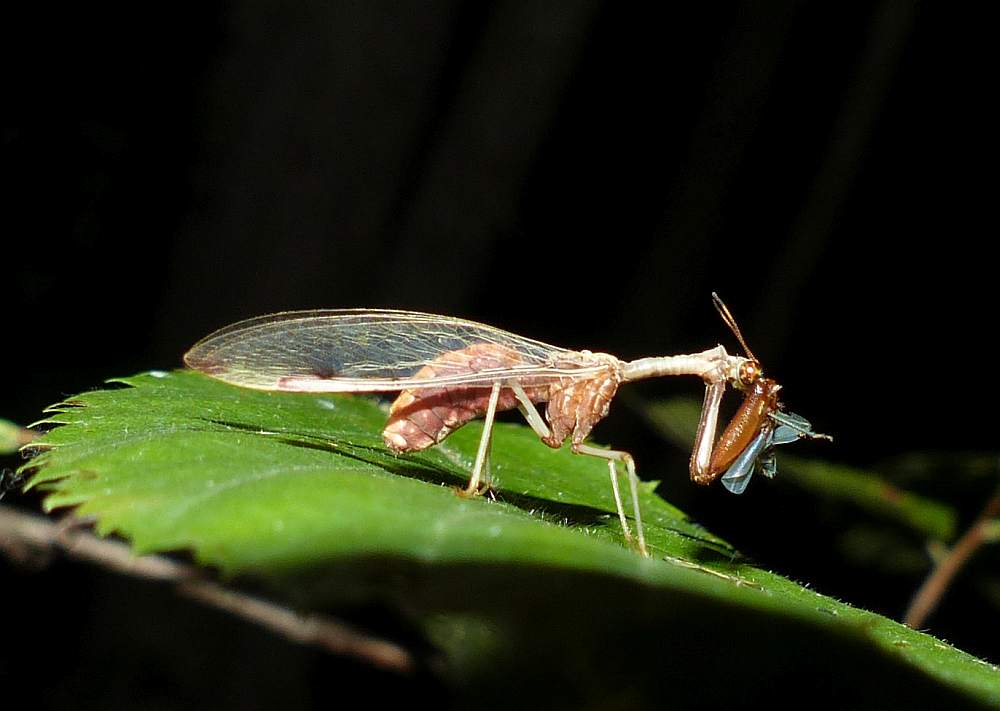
(449, 371)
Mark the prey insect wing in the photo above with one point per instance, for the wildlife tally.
(791, 427)
(369, 350)
(738, 476)
(782, 428)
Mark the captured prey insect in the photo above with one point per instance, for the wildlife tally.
(760, 424)
(449, 371)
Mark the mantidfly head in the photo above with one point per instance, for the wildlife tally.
(760, 424)
(750, 371)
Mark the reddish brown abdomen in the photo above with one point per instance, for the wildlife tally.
(423, 417)
(577, 404)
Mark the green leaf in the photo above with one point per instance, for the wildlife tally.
(182, 461)
(536, 586)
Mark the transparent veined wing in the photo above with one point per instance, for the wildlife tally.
(370, 350)
(787, 427)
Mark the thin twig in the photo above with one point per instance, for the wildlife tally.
(934, 587)
(13, 436)
(26, 536)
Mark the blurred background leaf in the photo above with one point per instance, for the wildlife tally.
(903, 530)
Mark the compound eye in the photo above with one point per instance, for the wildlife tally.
(750, 371)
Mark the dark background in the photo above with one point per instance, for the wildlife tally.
(582, 173)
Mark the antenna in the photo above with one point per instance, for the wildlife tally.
(731, 322)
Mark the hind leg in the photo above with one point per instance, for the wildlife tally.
(481, 469)
(534, 419)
